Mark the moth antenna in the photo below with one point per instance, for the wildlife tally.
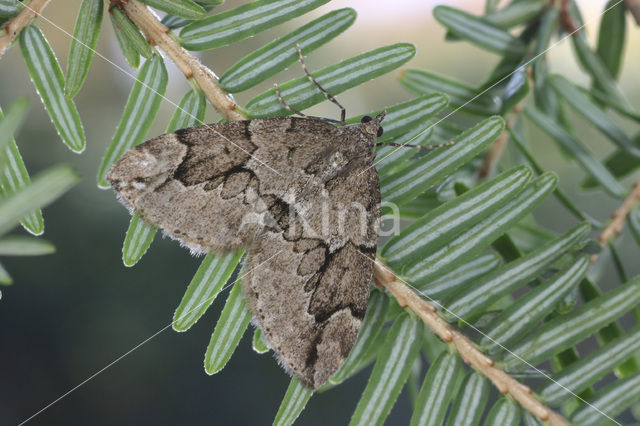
(343, 111)
(441, 145)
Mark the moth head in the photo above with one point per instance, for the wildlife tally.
(144, 168)
(372, 125)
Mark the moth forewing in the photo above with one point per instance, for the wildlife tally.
(301, 194)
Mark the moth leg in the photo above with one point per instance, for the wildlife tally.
(407, 145)
(286, 105)
(295, 111)
(343, 111)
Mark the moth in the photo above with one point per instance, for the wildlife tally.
(300, 194)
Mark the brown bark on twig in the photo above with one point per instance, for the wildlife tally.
(506, 384)
(159, 35)
(618, 218)
(17, 23)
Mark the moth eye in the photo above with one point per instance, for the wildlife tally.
(366, 119)
(380, 131)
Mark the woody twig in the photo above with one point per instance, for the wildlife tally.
(618, 218)
(159, 35)
(12, 29)
(506, 384)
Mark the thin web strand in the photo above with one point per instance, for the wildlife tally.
(237, 280)
(154, 91)
(524, 361)
(138, 346)
(526, 64)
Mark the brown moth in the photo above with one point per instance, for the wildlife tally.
(301, 194)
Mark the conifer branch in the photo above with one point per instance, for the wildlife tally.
(159, 35)
(12, 29)
(428, 313)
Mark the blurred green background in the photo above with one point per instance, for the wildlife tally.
(71, 314)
